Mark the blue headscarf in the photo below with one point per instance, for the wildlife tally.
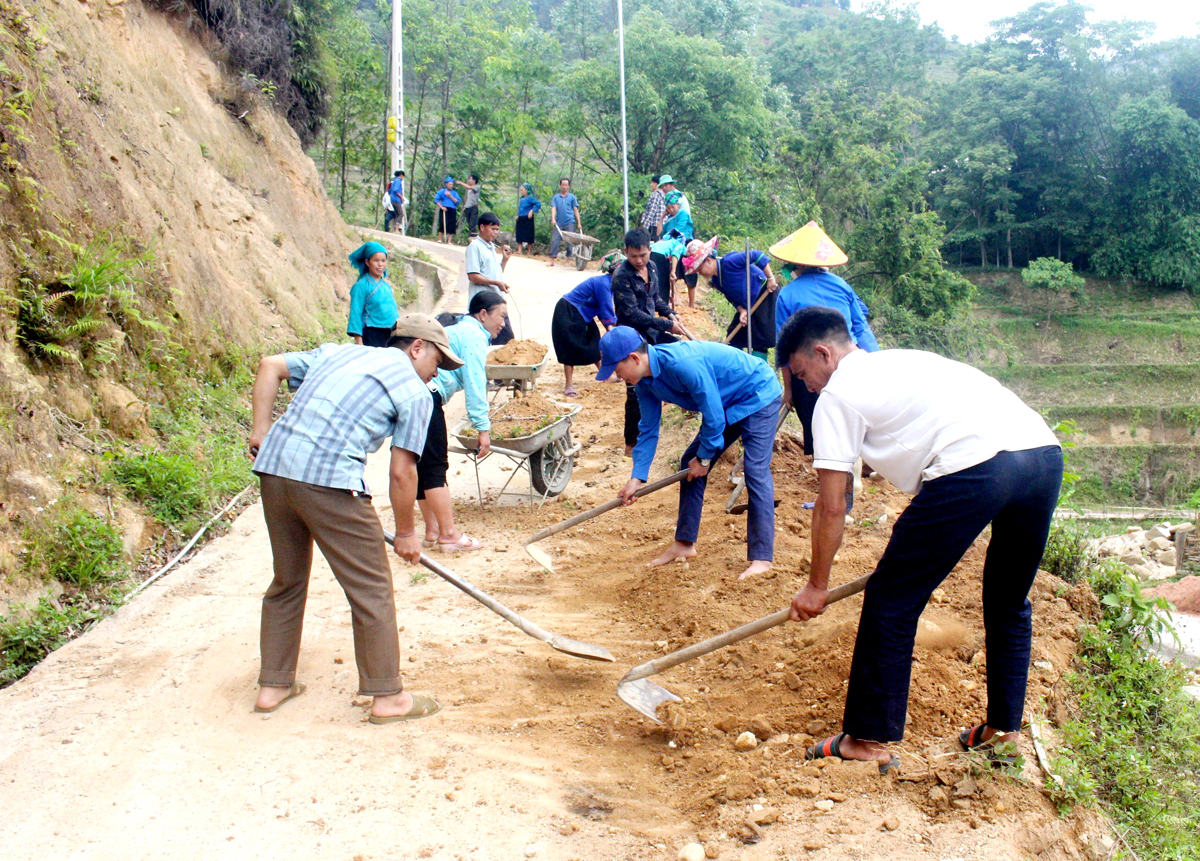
(364, 253)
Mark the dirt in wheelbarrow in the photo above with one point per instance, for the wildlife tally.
(520, 352)
(524, 414)
(689, 779)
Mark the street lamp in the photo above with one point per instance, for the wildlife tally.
(624, 140)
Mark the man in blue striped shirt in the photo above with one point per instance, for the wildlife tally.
(736, 395)
(348, 400)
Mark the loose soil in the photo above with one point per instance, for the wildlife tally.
(522, 415)
(520, 352)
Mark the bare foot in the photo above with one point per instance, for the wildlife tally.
(270, 697)
(392, 704)
(864, 751)
(759, 566)
(677, 550)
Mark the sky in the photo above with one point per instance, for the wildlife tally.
(969, 21)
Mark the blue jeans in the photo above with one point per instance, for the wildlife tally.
(757, 432)
(557, 240)
(1015, 491)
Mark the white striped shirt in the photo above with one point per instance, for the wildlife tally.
(349, 399)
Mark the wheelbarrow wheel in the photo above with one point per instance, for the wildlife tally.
(581, 263)
(550, 467)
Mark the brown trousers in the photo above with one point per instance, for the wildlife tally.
(347, 530)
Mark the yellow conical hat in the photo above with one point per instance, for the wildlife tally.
(809, 246)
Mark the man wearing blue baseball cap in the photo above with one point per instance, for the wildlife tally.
(736, 395)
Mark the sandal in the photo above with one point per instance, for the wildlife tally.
(422, 707)
(832, 746)
(464, 543)
(570, 393)
(972, 740)
(295, 689)
(429, 543)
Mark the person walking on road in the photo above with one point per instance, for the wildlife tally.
(640, 306)
(809, 253)
(373, 309)
(973, 454)
(652, 215)
(469, 339)
(447, 200)
(564, 215)
(397, 214)
(736, 395)
(573, 330)
(485, 272)
(348, 400)
(527, 207)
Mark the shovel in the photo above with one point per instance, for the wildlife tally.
(563, 644)
(541, 557)
(739, 478)
(639, 693)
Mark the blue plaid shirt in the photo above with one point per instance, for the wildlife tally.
(349, 399)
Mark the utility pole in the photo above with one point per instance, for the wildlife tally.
(624, 136)
(395, 130)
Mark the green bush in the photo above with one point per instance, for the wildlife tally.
(172, 486)
(25, 640)
(1067, 556)
(75, 546)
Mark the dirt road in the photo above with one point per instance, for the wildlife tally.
(138, 740)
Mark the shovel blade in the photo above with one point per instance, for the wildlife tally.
(540, 556)
(743, 507)
(580, 649)
(644, 696)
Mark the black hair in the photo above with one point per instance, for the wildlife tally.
(489, 218)
(643, 348)
(654, 179)
(475, 177)
(398, 173)
(565, 179)
(400, 342)
(807, 327)
(637, 238)
(485, 300)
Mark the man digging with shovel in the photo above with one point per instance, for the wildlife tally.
(973, 454)
(736, 395)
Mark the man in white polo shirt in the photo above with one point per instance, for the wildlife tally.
(973, 454)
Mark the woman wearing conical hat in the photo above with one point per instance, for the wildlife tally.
(808, 254)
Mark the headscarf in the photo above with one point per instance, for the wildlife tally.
(673, 197)
(528, 188)
(697, 253)
(364, 253)
(610, 261)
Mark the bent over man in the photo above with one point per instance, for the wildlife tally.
(973, 454)
(348, 400)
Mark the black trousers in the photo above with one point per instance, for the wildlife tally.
(633, 415)
(1016, 492)
(805, 403)
(376, 336)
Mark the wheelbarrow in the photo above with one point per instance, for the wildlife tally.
(521, 378)
(581, 246)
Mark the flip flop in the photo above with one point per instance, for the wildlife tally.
(294, 690)
(832, 746)
(971, 739)
(422, 707)
(428, 543)
(463, 544)
(570, 393)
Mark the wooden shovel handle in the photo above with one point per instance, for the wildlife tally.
(738, 327)
(607, 506)
(720, 641)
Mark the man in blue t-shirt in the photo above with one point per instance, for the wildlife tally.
(397, 215)
(564, 207)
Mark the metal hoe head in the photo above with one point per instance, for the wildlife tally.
(645, 696)
(580, 649)
(540, 556)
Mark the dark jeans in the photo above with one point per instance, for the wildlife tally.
(376, 336)
(633, 415)
(471, 213)
(757, 432)
(1015, 491)
(805, 403)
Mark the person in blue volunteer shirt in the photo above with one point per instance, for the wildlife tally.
(397, 214)
(736, 395)
(728, 275)
(447, 201)
(527, 207)
(665, 255)
(373, 309)
(808, 253)
(565, 215)
(575, 336)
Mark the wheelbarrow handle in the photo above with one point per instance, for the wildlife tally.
(607, 506)
(728, 638)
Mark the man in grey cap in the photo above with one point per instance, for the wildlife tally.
(348, 400)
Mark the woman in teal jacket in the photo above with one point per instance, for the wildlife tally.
(373, 310)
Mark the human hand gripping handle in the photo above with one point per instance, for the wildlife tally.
(407, 547)
(809, 603)
(628, 493)
(696, 469)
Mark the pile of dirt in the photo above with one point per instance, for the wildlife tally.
(525, 414)
(518, 353)
(1184, 594)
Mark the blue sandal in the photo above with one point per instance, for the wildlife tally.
(832, 746)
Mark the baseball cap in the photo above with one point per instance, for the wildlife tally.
(428, 329)
(615, 346)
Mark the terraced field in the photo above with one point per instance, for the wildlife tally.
(1123, 363)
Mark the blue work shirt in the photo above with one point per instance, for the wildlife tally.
(564, 208)
(724, 385)
(829, 291)
(372, 303)
(594, 298)
(528, 205)
(396, 189)
(469, 340)
(349, 399)
(670, 247)
(447, 197)
(730, 279)
(681, 221)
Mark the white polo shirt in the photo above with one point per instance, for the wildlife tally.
(914, 416)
